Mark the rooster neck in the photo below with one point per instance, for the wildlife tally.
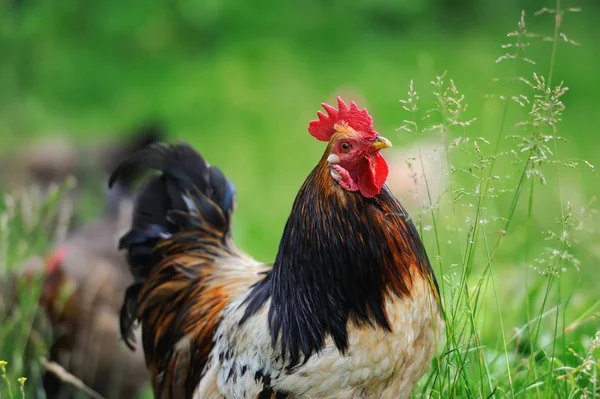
(341, 255)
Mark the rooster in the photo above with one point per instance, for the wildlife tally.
(349, 309)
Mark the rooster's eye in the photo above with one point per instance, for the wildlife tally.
(345, 147)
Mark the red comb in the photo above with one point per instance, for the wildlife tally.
(56, 259)
(357, 119)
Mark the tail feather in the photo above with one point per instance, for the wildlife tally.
(128, 314)
(186, 195)
(186, 267)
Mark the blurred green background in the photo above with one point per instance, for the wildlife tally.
(241, 80)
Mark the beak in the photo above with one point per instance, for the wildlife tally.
(381, 143)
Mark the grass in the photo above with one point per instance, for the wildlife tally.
(6, 379)
(27, 227)
(545, 355)
(512, 238)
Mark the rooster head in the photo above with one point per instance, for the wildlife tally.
(353, 156)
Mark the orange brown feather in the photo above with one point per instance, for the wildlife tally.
(186, 266)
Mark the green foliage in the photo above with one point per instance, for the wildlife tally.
(493, 349)
(8, 385)
(27, 225)
(512, 239)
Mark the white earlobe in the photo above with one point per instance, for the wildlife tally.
(333, 158)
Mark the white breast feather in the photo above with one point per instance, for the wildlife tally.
(378, 364)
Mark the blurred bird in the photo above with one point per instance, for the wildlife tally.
(349, 309)
(50, 162)
(83, 285)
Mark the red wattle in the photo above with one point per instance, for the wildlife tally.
(56, 259)
(372, 174)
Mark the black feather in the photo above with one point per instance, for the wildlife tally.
(185, 194)
(143, 136)
(330, 269)
(128, 314)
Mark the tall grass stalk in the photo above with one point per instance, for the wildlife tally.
(27, 225)
(471, 366)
